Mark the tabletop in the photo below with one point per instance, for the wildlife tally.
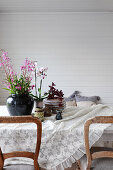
(62, 141)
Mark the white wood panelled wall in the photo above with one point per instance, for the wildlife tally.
(76, 47)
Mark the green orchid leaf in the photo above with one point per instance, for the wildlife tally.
(6, 89)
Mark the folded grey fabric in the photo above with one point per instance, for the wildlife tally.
(72, 96)
(80, 98)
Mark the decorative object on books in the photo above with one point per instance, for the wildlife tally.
(39, 73)
(55, 101)
(20, 102)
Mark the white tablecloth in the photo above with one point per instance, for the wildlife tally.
(62, 141)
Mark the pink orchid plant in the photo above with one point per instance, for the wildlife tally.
(40, 73)
(15, 85)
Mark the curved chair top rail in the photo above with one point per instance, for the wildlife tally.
(99, 119)
(19, 119)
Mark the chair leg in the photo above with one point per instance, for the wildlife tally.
(1, 160)
(78, 165)
(89, 162)
(88, 167)
(36, 166)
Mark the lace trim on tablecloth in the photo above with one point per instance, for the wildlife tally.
(79, 153)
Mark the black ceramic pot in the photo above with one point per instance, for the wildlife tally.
(19, 105)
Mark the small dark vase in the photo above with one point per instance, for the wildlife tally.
(20, 105)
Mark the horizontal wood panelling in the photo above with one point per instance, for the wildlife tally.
(56, 6)
(76, 47)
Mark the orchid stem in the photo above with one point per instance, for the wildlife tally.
(40, 89)
(35, 83)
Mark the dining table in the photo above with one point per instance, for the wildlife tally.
(62, 142)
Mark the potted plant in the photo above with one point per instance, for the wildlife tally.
(40, 74)
(20, 102)
(54, 101)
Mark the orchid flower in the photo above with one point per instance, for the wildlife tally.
(42, 73)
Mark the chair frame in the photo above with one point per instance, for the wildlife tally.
(32, 155)
(100, 154)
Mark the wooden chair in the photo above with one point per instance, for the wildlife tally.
(34, 156)
(91, 155)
